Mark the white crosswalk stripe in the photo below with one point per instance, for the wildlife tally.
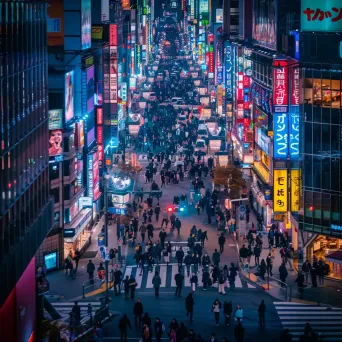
(327, 322)
(167, 274)
(64, 308)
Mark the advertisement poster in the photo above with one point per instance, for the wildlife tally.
(281, 135)
(104, 10)
(69, 96)
(79, 132)
(55, 119)
(113, 35)
(90, 88)
(86, 24)
(264, 23)
(90, 176)
(56, 142)
(295, 189)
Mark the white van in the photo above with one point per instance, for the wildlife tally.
(200, 146)
(202, 132)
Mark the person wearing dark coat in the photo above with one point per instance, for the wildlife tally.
(182, 333)
(147, 320)
(221, 242)
(239, 332)
(216, 258)
(90, 270)
(286, 336)
(138, 310)
(179, 283)
(261, 312)
(124, 323)
(205, 278)
(283, 273)
(300, 284)
(188, 262)
(313, 273)
(262, 269)
(227, 310)
(189, 306)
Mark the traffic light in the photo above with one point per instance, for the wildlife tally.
(170, 209)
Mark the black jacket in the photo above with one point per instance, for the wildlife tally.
(179, 279)
(138, 309)
(189, 303)
(227, 308)
(179, 255)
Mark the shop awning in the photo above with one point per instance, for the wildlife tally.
(335, 257)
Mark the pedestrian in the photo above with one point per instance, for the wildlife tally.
(216, 308)
(90, 271)
(146, 320)
(165, 219)
(157, 212)
(179, 278)
(262, 269)
(159, 328)
(239, 332)
(227, 310)
(188, 261)
(179, 257)
(269, 264)
(193, 282)
(257, 252)
(300, 284)
(321, 272)
(178, 225)
(138, 310)
(189, 306)
(221, 242)
(124, 323)
(206, 260)
(146, 333)
(166, 256)
(162, 237)
(181, 333)
(286, 336)
(174, 325)
(283, 273)
(117, 280)
(205, 278)
(243, 252)
(156, 281)
(76, 309)
(132, 285)
(306, 268)
(262, 312)
(216, 258)
(126, 287)
(238, 313)
(289, 255)
(313, 273)
(232, 274)
(142, 229)
(221, 282)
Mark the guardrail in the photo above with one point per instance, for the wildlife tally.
(91, 283)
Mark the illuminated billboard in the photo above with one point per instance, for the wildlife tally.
(264, 23)
(90, 88)
(86, 24)
(280, 191)
(281, 133)
(56, 142)
(55, 119)
(280, 85)
(69, 96)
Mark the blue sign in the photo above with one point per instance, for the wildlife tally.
(117, 211)
(294, 135)
(219, 75)
(50, 260)
(101, 240)
(242, 209)
(228, 53)
(281, 135)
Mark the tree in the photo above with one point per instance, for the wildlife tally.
(231, 177)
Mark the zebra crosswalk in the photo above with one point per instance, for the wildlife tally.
(167, 274)
(325, 321)
(64, 308)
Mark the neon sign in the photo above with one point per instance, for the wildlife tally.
(280, 86)
(281, 131)
(294, 135)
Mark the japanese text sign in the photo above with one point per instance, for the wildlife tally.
(321, 15)
(280, 86)
(295, 86)
(281, 135)
(295, 189)
(113, 35)
(228, 69)
(294, 135)
(280, 191)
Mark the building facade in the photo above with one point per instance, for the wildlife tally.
(26, 208)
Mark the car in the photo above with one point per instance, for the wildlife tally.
(196, 113)
(200, 146)
(176, 99)
(202, 131)
(182, 118)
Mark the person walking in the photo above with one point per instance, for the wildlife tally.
(227, 310)
(165, 219)
(173, 220)
(194, 282)
(178, 225)
(269, 264)
(126, 287)
(156, 281)
(257, 252)
(263, 269)
(216, 308)
(146, 335)
(243, 252)
(157, 212)
(162, 237)
(232, 274)
(132, 285)
(221, 242)
(238, 313)
(188, 262)
(239, 332)
(283, 273)
(216, 258)
(90, 271)
(205, 278)
(179, 278)
(159, 328)
(124, 324)
(189, 306)
(286, 336)
(117, 281)
(262, 312)
(138, 310)
(300, 284)
(321, 272)
(76, 310)
(179, 257)
(142, 231)
(221, 282)
(306, 268)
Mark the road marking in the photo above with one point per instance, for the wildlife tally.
(162, 273)
(138, 278)
(150, 276)
(186, 279)
(128, 273)
(173, 273)
(238, 281)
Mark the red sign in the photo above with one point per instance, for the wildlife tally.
(246, 81)
(211, 62)
(280, 85)
(239, 94)
(100, 134)
(99, 116)
(207, 59)
(295, 86)
(113, 35)
(126, 5)
(210, 38)
(100, 152)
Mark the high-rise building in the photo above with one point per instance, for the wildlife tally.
(26, 210)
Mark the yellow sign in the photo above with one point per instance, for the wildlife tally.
(280, 191)
(96, 32)
(295, 189)
(265, 159)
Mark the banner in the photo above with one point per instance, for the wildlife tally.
(295, 189)
(280, 191)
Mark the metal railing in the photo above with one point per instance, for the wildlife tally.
(92, 283)
(314, 296)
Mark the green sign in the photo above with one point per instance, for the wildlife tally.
(321, 15)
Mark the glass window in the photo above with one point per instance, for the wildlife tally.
(307, 179)
(335, 210)
(325, 139)
(326, 173)
(308, 138)
(326, 206)
(335, 170)
(317, 175)
(308, 206)
(317, 139)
